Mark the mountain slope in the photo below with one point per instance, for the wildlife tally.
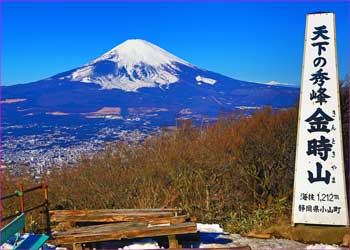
(138, 75)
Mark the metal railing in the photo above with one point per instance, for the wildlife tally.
(20, 194)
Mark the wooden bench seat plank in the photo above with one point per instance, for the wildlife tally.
(62, 226)
(89, 213)
(169, 220)
(115, 231)
(107, 217)
(116, 211)
(102, 227)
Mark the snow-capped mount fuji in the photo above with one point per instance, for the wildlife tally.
(138, 78)
(132, 65)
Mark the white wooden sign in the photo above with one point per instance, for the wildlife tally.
(319, 182)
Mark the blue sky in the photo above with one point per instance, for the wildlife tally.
(249, 41)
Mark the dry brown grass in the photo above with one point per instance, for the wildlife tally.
(232, 165)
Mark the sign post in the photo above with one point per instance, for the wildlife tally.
(319, 195)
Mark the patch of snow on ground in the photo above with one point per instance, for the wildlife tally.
(209, 228)
(211, 236)
(323, 247)
(226, 240)
(11, 242)
(6, 246)
(269, 244)
(143, 244)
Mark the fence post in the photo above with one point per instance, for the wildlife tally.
(47, 212)
(20, 194)
(21, 199)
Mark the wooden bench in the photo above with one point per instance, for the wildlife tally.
(74, 226)
(120, 231)
(66, 219)
(32, 242)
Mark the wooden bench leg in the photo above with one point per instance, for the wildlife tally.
(173, 243)
(77, 246)
(94, 246)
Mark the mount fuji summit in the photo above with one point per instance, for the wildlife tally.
(132, 65)
(140, 79)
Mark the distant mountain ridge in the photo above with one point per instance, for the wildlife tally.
(138, 74)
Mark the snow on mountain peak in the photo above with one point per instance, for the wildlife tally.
(136, 51)
(131, 65)
(201, 79)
